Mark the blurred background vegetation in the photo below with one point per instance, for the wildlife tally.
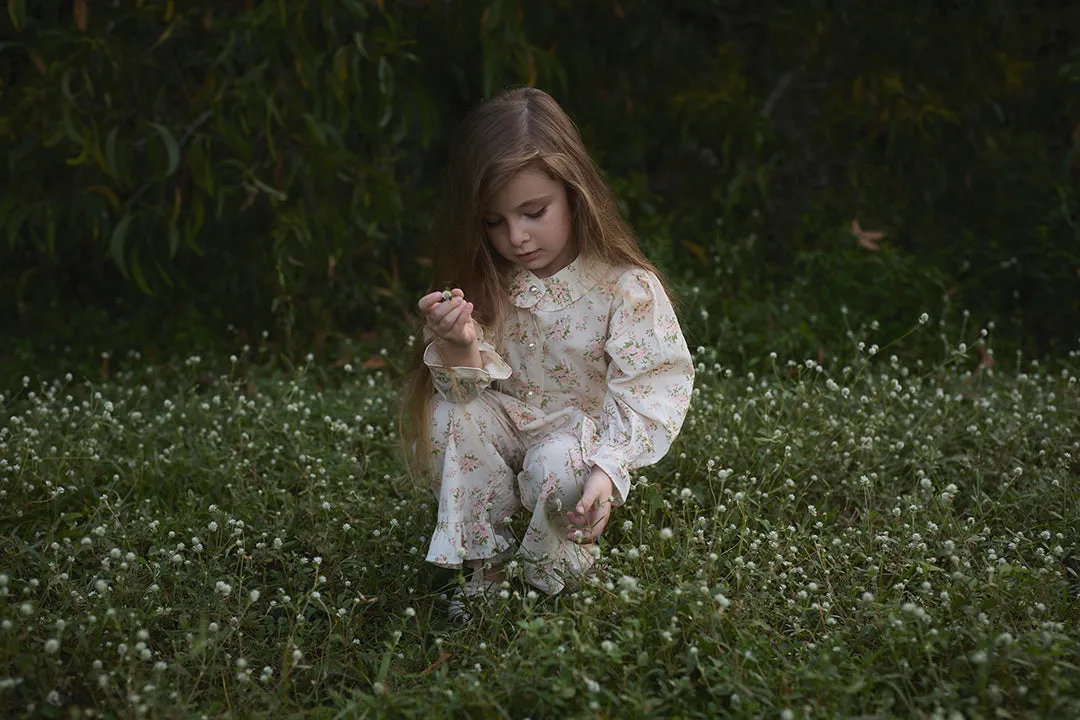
(181, 175)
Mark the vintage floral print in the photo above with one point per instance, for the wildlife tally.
(591, 368)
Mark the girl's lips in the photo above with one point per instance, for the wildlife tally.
(529, 256)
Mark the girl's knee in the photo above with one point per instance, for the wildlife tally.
(554, 475)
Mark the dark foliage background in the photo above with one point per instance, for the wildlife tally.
(171, 169)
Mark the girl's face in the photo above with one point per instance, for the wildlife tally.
(528, 223)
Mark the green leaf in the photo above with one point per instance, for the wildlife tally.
(164, 275)
(137, 271)
(65, 86)
(174, 240)
(110, 152)
(6, 206)
(116, 243)
(386, 77)
(14, 224)
(171, 147)
(17, 13)
(199, 164)
(50, 231)
(69, 125)
(272, 192)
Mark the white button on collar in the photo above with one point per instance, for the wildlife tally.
(533, 289)
(529, 393)
(532, 345)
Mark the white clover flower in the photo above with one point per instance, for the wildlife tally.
(666, 533)
(254, 595)
(979, 657)
(51, 646)
(409, 612)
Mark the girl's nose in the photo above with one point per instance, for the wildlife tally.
(520, 237)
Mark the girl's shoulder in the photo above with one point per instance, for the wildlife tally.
(618, 275)
(631, 280)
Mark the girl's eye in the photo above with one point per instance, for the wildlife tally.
(492, 223)
(538, 214)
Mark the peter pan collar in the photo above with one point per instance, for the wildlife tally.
(561, 290)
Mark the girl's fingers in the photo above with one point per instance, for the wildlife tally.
(590, 524)
(465, 318)
(429, 301)
(438, 313)
(446, 324)
(433, 299)
(601, 523)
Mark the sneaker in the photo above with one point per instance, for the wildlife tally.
(463, 599)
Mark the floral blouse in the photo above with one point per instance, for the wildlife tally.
(590, 349)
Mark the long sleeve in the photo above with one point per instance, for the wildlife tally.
(649, 380)
(464, 384)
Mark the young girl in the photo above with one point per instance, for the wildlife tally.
(554, 366)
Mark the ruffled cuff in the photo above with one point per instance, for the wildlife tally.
(453, 543)
(610, 461)
(464, 384)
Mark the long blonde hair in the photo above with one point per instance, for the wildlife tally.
(518, 128)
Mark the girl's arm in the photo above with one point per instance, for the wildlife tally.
(462, 365)
(649, 381)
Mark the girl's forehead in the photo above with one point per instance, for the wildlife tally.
(523, 186)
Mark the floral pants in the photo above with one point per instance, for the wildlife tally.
(489, 470)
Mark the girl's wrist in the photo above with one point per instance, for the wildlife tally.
(597, 470)
(454, 355)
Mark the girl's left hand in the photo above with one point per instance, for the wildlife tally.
(591, 515)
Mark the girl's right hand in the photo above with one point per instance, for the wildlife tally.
(450, 319)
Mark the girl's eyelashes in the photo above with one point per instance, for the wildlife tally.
(494, 223)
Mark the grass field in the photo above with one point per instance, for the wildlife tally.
(865, 538)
